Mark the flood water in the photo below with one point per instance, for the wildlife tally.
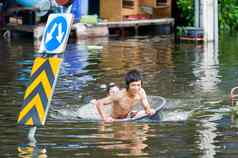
(195, 79)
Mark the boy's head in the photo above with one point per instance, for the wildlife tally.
(112, 88)
(132, 76)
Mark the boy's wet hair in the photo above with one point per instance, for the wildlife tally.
(132, 76)
(110, 85)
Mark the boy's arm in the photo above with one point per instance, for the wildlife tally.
(103, 102)
(145, 103)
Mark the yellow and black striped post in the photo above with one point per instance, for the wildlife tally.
(44, 74)
(39, 91)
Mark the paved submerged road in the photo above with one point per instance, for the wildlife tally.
(194, 79)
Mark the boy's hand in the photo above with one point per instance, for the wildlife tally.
(132, 114)
(108, 119)
(151, 112)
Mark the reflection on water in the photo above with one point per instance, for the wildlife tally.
(131, 138)
(207, 69)
(31, 151)
(207, 136)
(208, 79)
(193, 78)
(135, 53)
(234, 120)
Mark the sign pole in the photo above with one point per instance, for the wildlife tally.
(31, 135)
(44, 73)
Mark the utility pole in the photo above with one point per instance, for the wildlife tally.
(197, 13)
(208, 18)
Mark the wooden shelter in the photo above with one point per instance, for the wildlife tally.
(119, 10)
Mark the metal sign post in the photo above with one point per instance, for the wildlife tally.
(44, 74)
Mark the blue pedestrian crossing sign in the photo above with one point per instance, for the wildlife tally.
(56, 33)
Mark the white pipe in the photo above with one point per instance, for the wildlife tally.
(216, 28)
(197, 13)
(210, 20)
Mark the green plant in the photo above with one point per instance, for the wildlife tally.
(228, 14)
(186, 12)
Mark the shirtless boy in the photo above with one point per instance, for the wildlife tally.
(122, 101)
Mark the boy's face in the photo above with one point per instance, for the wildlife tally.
(134, 87)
